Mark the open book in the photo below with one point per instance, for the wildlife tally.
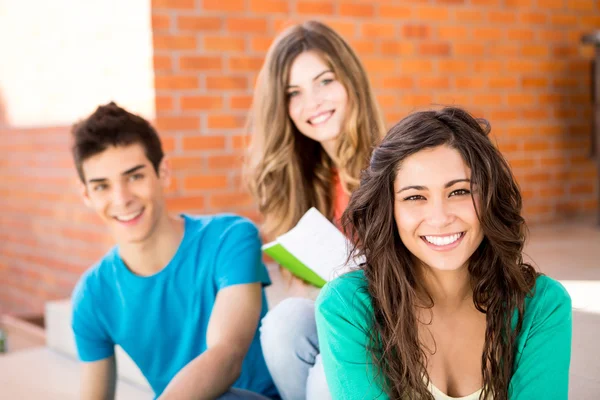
(314, 250)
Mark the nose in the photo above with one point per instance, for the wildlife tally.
(439, 214)
(121, 195)
(313, 99)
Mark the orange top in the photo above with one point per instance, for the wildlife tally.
(340, 199)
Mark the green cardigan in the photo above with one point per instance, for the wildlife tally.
(543, 348)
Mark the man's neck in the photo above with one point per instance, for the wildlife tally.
(155, 252)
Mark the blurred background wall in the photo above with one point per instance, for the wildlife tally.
(190, 66)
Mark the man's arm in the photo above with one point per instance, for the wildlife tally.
(231, 328)
(98, 379)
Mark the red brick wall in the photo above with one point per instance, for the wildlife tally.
(516, 62)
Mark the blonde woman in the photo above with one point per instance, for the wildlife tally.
(314, 122)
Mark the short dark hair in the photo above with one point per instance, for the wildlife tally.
(111, 125)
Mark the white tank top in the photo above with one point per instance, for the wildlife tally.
(439, 395)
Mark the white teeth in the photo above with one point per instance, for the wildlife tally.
(320, 118)
(128, 217)
(443, 240)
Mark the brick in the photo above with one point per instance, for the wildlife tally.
(503, 82)
(488, 99)
(566, 113)
(346, 29)
(415, 100)
(416, 66)
(416, 31)
(363, 47)
(590, 21)
(175, 82)
(533, 18)
(377, 65)
(269, 6)
(164, 103)
(527, 163)
(469, 16)
(452, 98)
(564, 19)
(174, 42)
(535, 114)
(178, 123)
(551, 35)
(186, 203)
(226, 122)
(488, 33)
(200, 63)
(356, 10)
(168, 143)
(203, 143)
(521, 99)
(160, 22)
(394, 11)
(240, 141)
(241, 102)
(246, 63)
(398, 82)
(201, 102)
(434, 49)
(503, 115)
(224, 5)
(230, 200)
(522, 66)
(435, 82)
(582, 188)
(565, 82)
(469, 50)
(226, 82)
(533, 50)
(509, 50)
(230, 161)
(199, 24)
(538, 145)
(378, 30)
(220, 43)
(488, 66)
(470, 82)
(187, 163)
(174, 4)
(205, 182)
(453, 32)
(386, 100)
(396, 48)
(485, 2)
(454, 66)
(247, 25)
(162, 63)
(502, 17)
(315, 8)
(554, 4)
(521, 35)
(433, 13)
(261, 44)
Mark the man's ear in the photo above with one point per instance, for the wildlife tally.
(83, 192)
(164, 172)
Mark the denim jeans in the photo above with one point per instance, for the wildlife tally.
(291, 349)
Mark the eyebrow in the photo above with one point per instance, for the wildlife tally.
(314, 79)
(128, 172)
(446, 186)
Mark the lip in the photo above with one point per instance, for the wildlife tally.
(131, 221)
(446, 247)
(330, 112)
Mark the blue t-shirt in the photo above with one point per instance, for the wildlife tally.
(161, 320)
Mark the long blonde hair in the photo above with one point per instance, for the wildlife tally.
(286, 171)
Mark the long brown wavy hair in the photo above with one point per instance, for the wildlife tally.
(286, 171)
(500, 280)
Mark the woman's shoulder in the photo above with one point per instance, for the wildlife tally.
(548, 291)
(346, 293)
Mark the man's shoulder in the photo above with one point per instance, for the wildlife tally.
(217, 227)
(95, 276)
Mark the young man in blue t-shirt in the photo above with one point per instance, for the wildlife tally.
(183, 296)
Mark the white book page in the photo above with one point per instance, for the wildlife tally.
(319, 245)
